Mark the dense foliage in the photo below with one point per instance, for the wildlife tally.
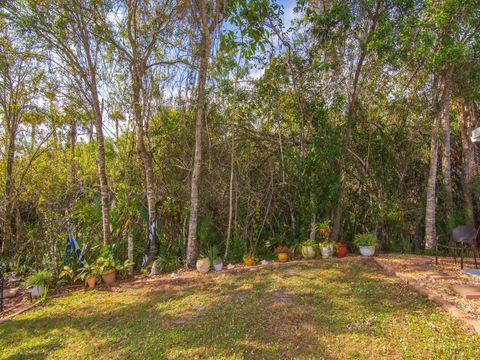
(357, 113)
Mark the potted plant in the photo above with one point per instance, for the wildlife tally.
(123, 268)
(88, 275)
(282, 253)
(323, 229)
(107, 269)
(203, 265)
(342, 249)
(308, 249)
(327, 248)
(366, 243)
(249, 259)
(214, 258)
(218, 264)
(38, 283)
(67, 275)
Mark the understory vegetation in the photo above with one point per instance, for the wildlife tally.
(244, 125)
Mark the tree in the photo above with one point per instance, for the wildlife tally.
(453, 38)
(66, 28)
(207, 16)
(20, 79)
(145, 25)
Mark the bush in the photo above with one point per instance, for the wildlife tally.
(167, 263)
(213, 253)
(41, 278)
(365, 240)
(68, 275)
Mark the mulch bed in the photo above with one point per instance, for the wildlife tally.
(416, 271)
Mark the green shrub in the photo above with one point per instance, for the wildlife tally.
(309, 242)
(365, 240)
(68, 275)
(213, 253)
(88, 271)
(328, 243)
(41, 278)
(124, 267)
(167, 263)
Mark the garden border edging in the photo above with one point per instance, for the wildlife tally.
(471, 324)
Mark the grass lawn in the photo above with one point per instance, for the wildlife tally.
(322, 310)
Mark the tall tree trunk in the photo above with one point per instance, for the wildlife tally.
(313, 229)
(337, 213)
(32, 136)
(467, 124)
(447, 160)
(130, 250)
(144, 154)
(91, 80)
(197, 160)
(353, 97)
(230, 194)
(430, 210)
(8, 230)
(102, 173)
(73, 139)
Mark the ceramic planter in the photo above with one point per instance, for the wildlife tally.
(203, 265)
(109, 277)
(282, 257)
(308, 252)
(91, 282)
(248, 260)
(326, 251)
(36, 290)
(367, 250)
(342, 250)
(218, 266)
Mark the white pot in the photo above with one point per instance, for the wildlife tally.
(36, 290)
(218, 267)
(326, 252)
(308, 252)
(203, 265)
(367, 250)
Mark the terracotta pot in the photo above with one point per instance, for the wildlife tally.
(308, 252)
(109, 277)
(342, 250)
(203, 265)
(249, 261)
(91, 282)
(282, 257)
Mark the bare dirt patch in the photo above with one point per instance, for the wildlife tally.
(279, 297)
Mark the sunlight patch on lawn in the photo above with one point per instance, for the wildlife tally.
(334, 310)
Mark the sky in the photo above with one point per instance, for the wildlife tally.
(289, 14)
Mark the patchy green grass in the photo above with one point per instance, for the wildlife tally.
(322, 310)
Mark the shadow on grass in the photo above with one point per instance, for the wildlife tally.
(305, 311)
